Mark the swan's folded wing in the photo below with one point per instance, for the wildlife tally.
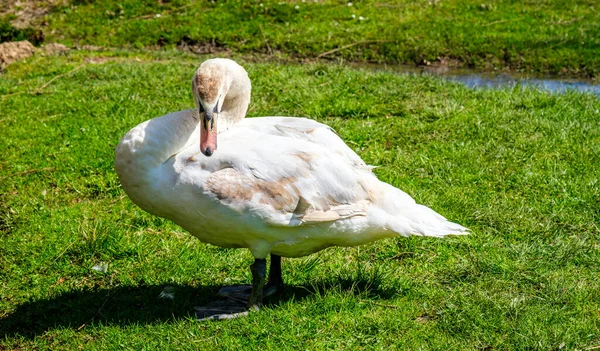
(304, 189)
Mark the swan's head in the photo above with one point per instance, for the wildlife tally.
(221, 90)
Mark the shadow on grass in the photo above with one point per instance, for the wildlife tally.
(115, 306)
(142, 305)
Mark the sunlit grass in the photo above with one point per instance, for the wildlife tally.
(518, 166)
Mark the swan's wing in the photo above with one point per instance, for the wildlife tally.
(287, 181)
(307, 130)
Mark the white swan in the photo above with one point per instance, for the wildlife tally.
(277, 185)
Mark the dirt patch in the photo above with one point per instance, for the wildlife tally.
(100, 59)
(28, 13)
(197, 47)
(90, 48)
(18, 50)
(441, 65)
(54, 49)
(444, 65)
(15, 51)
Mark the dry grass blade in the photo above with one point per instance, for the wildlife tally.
(47, 169)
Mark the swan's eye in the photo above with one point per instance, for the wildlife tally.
(201, 109)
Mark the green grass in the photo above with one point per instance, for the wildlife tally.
(10, 33)
(546, 36)
(518, 166)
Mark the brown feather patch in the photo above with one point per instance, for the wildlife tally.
(231, 186)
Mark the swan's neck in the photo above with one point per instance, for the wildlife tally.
(234, 108)
(153, 142)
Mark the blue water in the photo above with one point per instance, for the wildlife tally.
(474, 80)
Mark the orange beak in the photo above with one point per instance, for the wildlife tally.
(208, 134)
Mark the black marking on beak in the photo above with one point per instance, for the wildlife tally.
(208, 117)
(200, 112)
(207, 152)
(204, 123)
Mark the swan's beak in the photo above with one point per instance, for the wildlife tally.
(208, 133)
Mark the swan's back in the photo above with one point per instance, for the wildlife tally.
(308, 130)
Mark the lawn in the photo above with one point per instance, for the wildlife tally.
(543, 36)
(518, 166)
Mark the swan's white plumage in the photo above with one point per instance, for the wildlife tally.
(281, 185)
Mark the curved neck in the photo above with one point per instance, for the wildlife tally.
(142, 157)
(235, 106)
(153, 142)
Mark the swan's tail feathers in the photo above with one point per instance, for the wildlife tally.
(407, 218)
(423, 221)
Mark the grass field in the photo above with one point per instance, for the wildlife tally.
(543, 36)
(81, 267)
(518, 166)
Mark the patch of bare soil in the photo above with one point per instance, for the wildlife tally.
(90, 48)
(28, 13)
(17, 50)
(54, 49)
(14, 51)
(101, 59)
(441, 65)
(190, 45)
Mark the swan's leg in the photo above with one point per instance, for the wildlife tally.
(259, 272)
(273, 286)
(275, 282)
(236, 302)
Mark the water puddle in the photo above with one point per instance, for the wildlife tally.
(475, 79)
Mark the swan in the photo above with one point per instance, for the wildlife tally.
(279, 186)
